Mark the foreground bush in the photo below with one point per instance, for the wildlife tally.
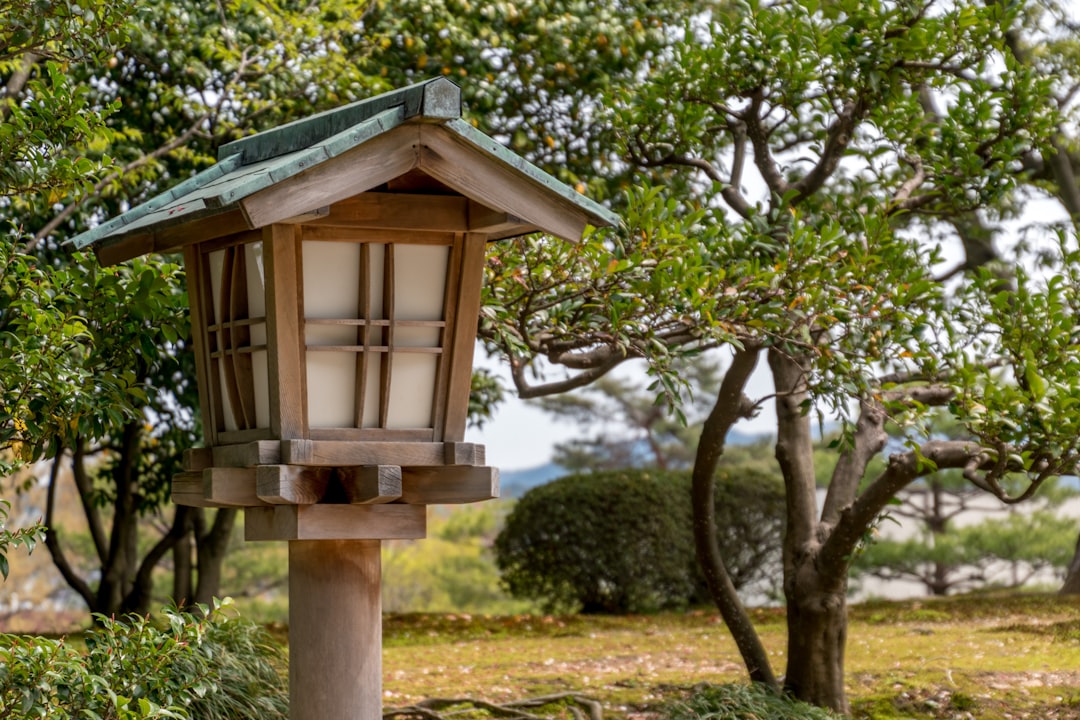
(742, 702)
(206, 665)
(622, 541)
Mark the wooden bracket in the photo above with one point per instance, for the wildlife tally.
(392, 521)
(370, 484)
(291, 484)
(449, 485)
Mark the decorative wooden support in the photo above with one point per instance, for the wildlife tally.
(187, 490)
(449, 485)
(252, 454)
(392, 521)
(230, 487)
(460, 453)
(197, 459)
(292, 484)
(335, 453)
(370, 484)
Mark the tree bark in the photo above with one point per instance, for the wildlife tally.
(1072, 577)
(730, 407)
(212, 548)
(817, 636)
(815, 587)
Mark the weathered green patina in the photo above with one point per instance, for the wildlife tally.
(253, 164)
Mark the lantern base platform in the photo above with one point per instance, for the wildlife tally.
(334, 453)
(270, 485)
(336, 522)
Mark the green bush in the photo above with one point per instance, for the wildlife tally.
(740, 702)
(622, 541)
(204, 665)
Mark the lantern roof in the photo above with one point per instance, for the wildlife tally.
(298, 169)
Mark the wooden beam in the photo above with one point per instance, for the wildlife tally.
(392, 521)
(197, 459)
(370, 484)
(284, 333)
(487, 221)
(259, 452)
(187, 490)
(174, 237)
(230, 487)
(332, 453)
(398, 211)
(473, 174)
(449, 485)
(291, 484)
(368, 165)
(462, 453)
(463, 337)
(118, 251)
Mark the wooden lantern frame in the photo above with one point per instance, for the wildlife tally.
(401, 170)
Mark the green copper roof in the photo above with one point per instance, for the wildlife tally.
(254, 163)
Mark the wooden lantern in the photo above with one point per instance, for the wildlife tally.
(334, 268)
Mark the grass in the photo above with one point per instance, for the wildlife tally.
(987, 656)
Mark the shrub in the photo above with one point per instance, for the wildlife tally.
(206, 665)
(622, 541)
(738, 702)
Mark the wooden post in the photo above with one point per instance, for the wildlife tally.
(335, 630)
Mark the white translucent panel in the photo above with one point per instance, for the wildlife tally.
(412, 387)
(417, 336)
(261, 376)
(256, 280)
(420, 281)
(371, 393)
(331, 387)
(331, 279)
(319, 335)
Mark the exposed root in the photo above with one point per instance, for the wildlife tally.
(580, 706)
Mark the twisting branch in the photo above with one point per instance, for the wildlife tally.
(759, 141)
(526, 390)
(837, 139)
(52, 540)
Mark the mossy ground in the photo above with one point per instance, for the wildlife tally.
(988, 657)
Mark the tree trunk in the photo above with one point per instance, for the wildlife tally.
(1072, 577)
(817, 636)
(814, 587)
(212, 548)
(731, 405)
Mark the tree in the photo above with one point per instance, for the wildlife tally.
(168, 83)
(148, 100)
(831, 150)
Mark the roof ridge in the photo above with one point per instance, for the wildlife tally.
(436, 99)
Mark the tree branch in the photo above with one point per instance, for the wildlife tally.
(85, 488)
(526, 390)
(869, 439)
(731, 405)
(759, 141)
(52, 538)
(902, 469)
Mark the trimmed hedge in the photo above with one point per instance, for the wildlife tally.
(622, 541)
